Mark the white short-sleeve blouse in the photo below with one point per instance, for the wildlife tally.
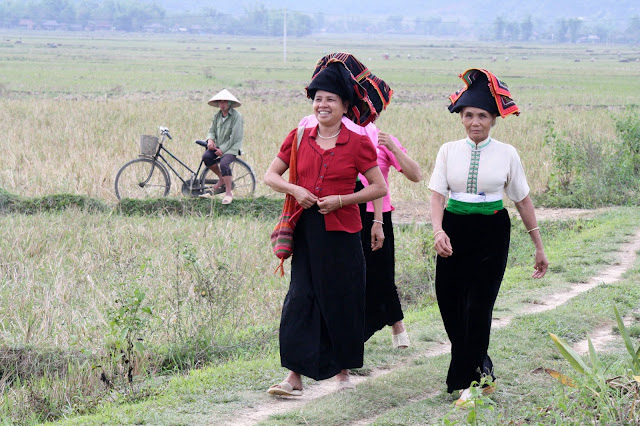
(470, 173)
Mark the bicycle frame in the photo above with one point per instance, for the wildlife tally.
(202, 181)
(158, 155)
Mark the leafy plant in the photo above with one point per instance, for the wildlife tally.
(615, 398)
(128, 322)
(477, 405)
(585, 169)
(634, 354)
(628, 128)
(563, 158)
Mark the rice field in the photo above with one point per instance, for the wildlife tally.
(72, 115)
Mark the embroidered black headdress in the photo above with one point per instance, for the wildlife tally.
(483, 90)
(370, 94)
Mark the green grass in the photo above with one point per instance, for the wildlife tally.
(416, 391)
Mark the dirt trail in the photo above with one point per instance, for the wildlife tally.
(626, 257)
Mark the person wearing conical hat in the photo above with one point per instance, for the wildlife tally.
(224, 141)
(472, 232)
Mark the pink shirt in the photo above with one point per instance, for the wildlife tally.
(385, 158)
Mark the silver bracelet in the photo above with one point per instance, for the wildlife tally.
(532, 229)
(378, 221)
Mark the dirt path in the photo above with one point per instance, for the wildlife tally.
(626, 257)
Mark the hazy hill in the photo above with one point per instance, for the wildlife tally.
(461, 10)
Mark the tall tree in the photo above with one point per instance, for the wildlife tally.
(526, 29)
(499, 25)
(563, 28)
(574, 28)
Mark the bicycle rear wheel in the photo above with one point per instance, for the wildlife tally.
(244, 180)
(142, 178)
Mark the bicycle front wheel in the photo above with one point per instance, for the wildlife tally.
(243, 183)
(142, 178)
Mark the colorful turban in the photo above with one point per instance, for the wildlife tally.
(483, 90)
(370, 94)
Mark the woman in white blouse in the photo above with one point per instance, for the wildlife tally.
(472, 230)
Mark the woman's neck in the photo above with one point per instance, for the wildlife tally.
(326, 132)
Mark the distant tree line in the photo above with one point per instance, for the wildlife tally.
(134, 15)
(147, 15)
(572, 30)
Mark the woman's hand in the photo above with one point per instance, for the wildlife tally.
(377, 236)
(541, 264)
(329, 203)
(385, 140)
(442, 244)
(305, 198)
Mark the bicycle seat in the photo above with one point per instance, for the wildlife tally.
(204, 144)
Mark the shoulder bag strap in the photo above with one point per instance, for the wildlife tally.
(293, 176)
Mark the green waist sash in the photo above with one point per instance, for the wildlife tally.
(462, 208)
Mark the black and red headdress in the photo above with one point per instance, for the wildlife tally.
(343, 74)
(483, 90)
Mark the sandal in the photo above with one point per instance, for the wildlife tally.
(346, 385)
(227, 199)
(284, 389)
(401, 340)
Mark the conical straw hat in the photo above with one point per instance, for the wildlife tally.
(224, 95)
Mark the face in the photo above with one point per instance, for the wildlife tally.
(328, 108)
(477, 122)
(224, 106)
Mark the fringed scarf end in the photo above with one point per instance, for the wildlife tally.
(280, 267)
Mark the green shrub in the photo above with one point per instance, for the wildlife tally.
(588, 173)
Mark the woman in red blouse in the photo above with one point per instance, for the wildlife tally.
(322, 323)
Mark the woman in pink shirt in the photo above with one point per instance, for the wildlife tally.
(382, 305)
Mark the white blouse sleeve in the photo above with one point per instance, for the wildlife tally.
(438, 181)
(516, 186)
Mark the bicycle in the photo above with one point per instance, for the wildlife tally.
(148, 177)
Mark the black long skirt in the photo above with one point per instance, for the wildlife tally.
(322, 323)
(467, 284)
(382, 304)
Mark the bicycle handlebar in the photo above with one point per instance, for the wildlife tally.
(165, 132)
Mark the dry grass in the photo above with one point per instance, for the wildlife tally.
(73, 128)
(60, 273)
(78, 146)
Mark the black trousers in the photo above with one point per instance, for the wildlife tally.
(322, 323)
(210, 158)
(467, 285)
